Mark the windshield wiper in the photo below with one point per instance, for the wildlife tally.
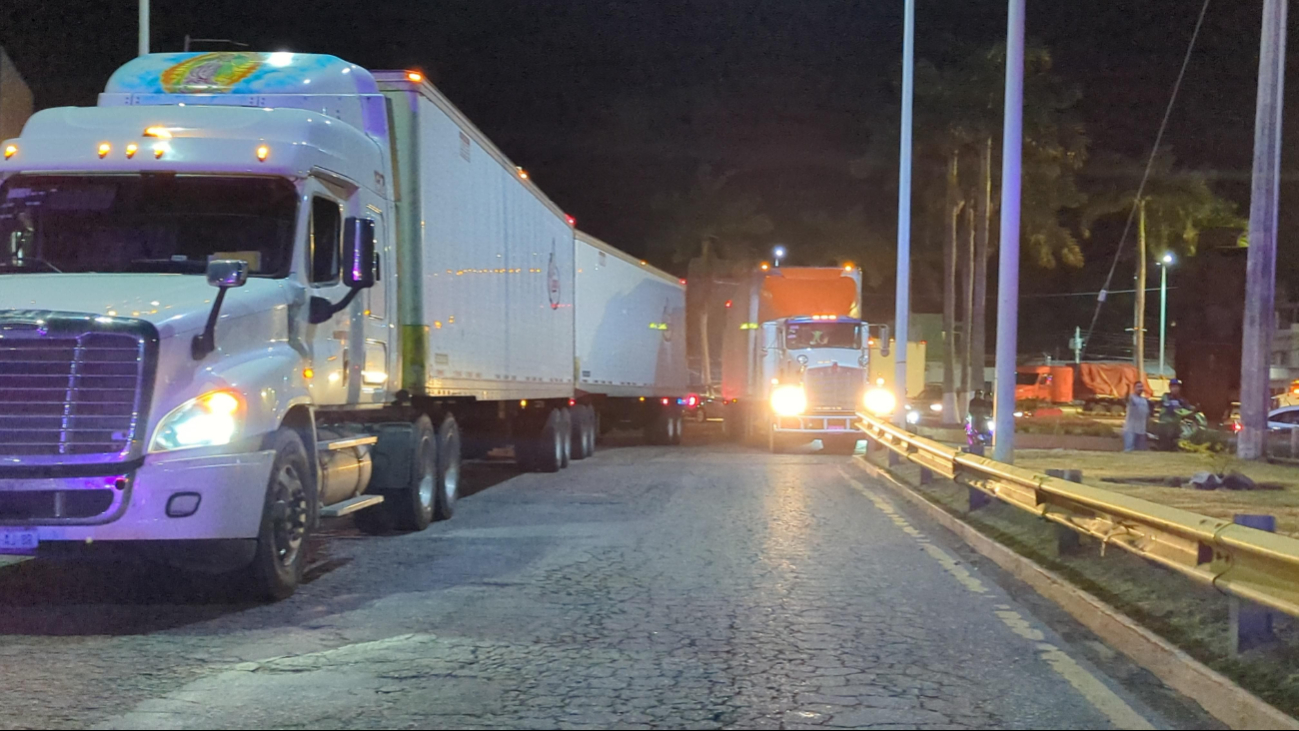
(20, 264)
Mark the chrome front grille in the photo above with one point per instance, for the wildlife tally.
(834, 387)
(71, 393)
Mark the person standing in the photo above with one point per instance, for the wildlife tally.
(1136, 420)
(1170, 416)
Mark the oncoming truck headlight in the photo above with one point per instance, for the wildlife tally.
(210, 420)
(880, 401)
(789, 400)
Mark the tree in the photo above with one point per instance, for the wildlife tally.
(1173, 208)
(959, 114)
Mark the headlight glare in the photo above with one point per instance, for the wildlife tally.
(880, 401)
(789, 400)
(210, 420)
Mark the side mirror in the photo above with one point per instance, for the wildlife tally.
(223, 274)
(227, 273)
(359, 263)
(884, 341)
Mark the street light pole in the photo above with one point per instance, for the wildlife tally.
(903, 302)
(144, 27)
(1163, 309)
(1260, 267)
(1012, 145)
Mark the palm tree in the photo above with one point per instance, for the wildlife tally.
(1171, 210)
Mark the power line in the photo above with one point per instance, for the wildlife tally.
(1145, 177)
(1086, 294)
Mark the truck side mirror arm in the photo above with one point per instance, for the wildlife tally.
(223, 274)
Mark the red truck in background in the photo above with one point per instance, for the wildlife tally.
(1094, 386)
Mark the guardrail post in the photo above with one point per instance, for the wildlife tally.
(1294, 444)
(895, 459)
(926, 476)
(1067, 541)
(978, 498)
(1251, 624)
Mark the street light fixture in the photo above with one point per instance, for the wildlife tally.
(1166, 261)
(778, 253)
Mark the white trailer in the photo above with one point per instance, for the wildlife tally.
(487, 325)
(631, 341)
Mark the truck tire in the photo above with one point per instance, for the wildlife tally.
(404, 462)
(542, 450)
(565, 437)
(583, 431)
(448, 469)
(678, 425)
(658, 430)
(281, 551)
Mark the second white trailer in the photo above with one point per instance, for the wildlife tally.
(630, 337)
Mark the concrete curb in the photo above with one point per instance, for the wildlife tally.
(1217, 694)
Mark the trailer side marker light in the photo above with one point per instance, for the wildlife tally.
(523, 404)
(263, 152)
(308, 373)
(104, 149)
(642, 398)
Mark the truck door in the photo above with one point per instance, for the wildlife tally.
(373, 385)
(328, 340)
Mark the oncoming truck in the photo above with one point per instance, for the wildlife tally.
(250, 290)
(795, 357)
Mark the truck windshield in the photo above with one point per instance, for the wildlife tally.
(800, 335)
(144, 223)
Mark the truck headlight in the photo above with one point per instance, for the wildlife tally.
(789, 400)
(880, 401)
(210, 420)
(913, 417)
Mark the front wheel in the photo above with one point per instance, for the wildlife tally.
(280, 557)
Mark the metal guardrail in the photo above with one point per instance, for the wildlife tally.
(1245, 562)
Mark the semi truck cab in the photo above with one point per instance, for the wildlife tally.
(816, 366)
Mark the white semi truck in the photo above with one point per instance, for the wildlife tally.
(795, 357)
(384, 288)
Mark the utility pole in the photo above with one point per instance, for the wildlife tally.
(1260, 272)
(1012, 145)
(1139, 316)
(903, 303)
(144, 27)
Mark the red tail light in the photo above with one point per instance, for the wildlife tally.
(692, 400)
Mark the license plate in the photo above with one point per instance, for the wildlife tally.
(18, 541)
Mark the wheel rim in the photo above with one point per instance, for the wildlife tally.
(428, 485)
(451, 480)
(288, 515)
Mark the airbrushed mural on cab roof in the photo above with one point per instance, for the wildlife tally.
(239, 72)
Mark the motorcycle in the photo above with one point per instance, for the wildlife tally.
(978, 433)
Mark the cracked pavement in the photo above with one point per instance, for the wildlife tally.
(709, 586)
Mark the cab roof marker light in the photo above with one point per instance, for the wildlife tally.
(10, 151)
(131, 150)
(104, 149)
(263, 152)
(159, 149)
(160, 132)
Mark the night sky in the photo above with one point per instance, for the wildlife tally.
(611, 105)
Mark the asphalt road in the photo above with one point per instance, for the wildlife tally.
(707, 586)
